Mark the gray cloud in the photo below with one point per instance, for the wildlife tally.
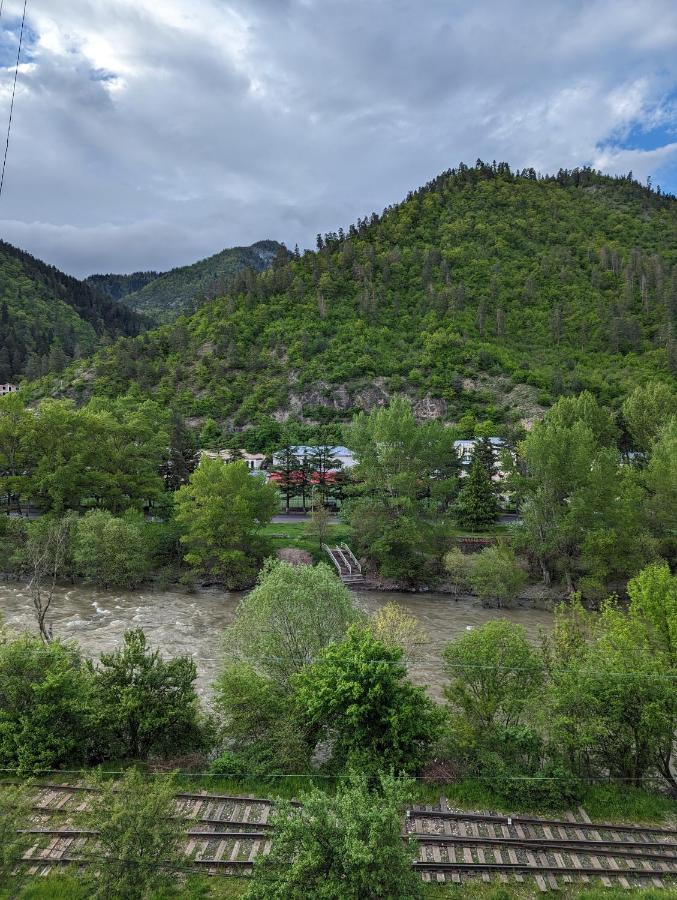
(149, 133)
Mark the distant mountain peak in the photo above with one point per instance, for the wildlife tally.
(163, 296)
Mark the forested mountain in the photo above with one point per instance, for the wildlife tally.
(120, 286)
(163, 296)
(486, 292)
(48, 318)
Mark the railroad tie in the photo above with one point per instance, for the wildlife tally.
(480, 856)
(220, 850)
(437, 857)
(542, 886)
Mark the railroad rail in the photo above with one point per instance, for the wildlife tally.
(225, 833)
(454, 845)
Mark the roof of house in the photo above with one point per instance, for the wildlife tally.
(494, 441)
(306, 450)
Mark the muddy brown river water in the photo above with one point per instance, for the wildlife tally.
(180, 623)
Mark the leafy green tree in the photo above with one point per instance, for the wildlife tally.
(16, 454)
(319, 526)
(13, 537)
(292, 613)
(586, 409)
(110, 551)
(393, 515)
(494, 674)
(139, 849)
(210, 435)
(145, 705)
(108, 452)
(342, 847)
(610, 703)
(357, 696)
(582, 511)
(221, 511)
(660, 479)
(476, 505)
(45, 705)
(260, 725)
(496, 574)
(653, 616)
(646, 410)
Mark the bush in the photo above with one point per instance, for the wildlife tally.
(495, 574)
(140, 838)
(110, 551)
(45, 705)
(459, 565)
(345, 847)
(357, 697)
(260, 725)
(146, 705)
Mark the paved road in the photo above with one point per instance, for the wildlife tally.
(284, 519)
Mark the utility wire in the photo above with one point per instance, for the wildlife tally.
(11, 105)
(597, 779)
(235, 657)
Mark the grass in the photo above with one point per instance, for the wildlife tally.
(201, 887)
(602, 802)
(298, 536)
(71, 887)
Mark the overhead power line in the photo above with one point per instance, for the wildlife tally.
(11, 105)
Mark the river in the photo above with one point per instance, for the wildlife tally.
(177, 622)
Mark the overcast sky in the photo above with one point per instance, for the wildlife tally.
(150, 133)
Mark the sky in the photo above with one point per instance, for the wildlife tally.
(151, 133)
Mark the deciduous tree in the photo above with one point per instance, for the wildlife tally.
(221, 512)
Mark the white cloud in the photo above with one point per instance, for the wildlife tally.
(148, 133)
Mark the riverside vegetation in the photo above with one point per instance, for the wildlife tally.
(596, 491)
(311, 687)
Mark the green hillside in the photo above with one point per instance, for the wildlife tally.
(48, 318)
(164, 296)
(486, 292)
(120, 286)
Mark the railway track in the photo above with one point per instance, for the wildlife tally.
(454, 845)
(225, 833)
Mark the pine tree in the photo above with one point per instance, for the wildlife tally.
(288, 474)
(477, 506)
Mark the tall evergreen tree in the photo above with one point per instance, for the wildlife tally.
(477, 505)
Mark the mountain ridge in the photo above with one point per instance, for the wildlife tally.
(163, 296)
(485, 294)
(48, 318)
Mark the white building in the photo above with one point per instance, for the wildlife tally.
(7, 389)
(464, 450)
(342, 455)
(254, 460)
